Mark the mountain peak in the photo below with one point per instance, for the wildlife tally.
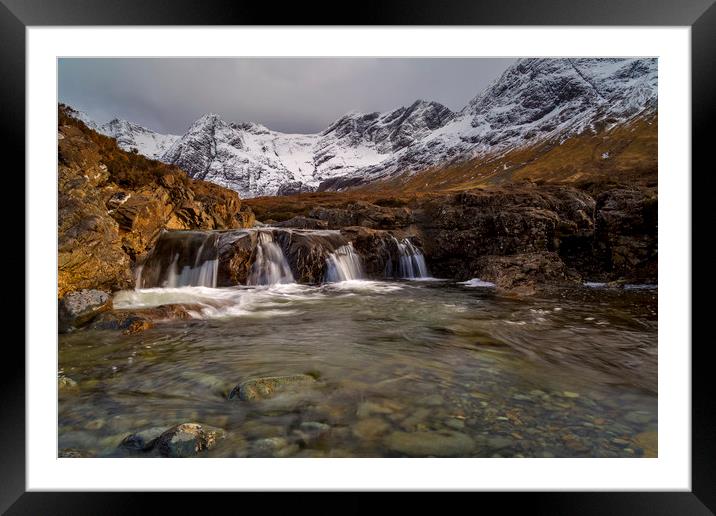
(534, 100)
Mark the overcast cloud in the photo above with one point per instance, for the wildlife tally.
(300, 95)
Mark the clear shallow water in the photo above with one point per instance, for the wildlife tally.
(404, 369)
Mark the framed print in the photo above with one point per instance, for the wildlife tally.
(424, 252)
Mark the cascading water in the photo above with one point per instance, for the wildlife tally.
(180, 259)
(411, 262)
(270, 265)
(343, 264)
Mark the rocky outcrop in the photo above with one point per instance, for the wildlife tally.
(362, 213)
(554, 234)
(626, 234)
(524, 274)
(112, 205)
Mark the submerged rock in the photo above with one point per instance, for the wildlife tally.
(65, 383)
(78, 308)
(142, 441)
(73, 453)
(274, 447)
(442, 443)
(370, 428)
(269, 386)
(187, 439)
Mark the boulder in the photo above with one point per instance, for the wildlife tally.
(143, 440)
(187, 440)
(78, 308)
(136, 320)
(269, 386)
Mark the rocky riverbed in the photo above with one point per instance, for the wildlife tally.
(367, 369)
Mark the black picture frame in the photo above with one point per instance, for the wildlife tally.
(700, 15)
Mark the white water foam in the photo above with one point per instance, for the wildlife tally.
(477, 282)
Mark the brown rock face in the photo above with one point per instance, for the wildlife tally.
(626, 233)
(114, 204)
(361, 213)
(523, 274)
(610, 238)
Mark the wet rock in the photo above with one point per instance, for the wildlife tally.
(73, 453)
(256, 429)
(455, 424)
(212, 383)
(267, 387)
(274, 447)
(415, 418)
(187, 440)
(498, 442)
(309, 432)
(235, 252)
(434, 400)
(367, 408)
(307, 251)
(142, 441)
(370, 428)
(442, 443)
(139, 319)
(78, 308)
(65, 383)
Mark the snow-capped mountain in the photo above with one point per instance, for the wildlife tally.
(132, 136)
(534, 100)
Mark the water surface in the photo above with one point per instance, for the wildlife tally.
(404, 368)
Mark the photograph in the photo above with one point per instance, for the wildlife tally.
(338, 257)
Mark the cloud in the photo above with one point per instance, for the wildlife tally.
(286, 94)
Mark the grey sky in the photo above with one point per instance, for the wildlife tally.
(300, 95)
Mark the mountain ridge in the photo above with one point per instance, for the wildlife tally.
(534, 100)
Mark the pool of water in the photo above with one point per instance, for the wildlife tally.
(404, 368)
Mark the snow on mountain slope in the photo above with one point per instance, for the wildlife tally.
(257, 161)
(132, 136)
(129, 135)
(533, 100)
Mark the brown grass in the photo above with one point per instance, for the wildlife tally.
(577, 162)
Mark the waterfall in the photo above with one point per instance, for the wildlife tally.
(270, 265)
(343, 264)
(180, 259)
(411, 262)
